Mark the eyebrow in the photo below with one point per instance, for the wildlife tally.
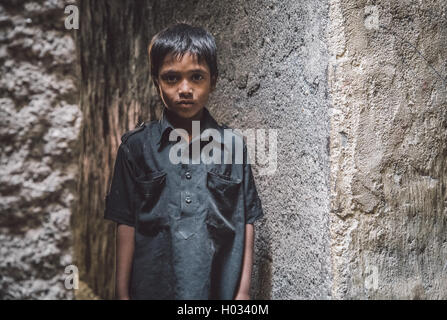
(175, 71)
(199, 70)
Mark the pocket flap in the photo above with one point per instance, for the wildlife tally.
(150, 184)
(220, 178)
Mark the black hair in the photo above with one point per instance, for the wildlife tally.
(179, 39)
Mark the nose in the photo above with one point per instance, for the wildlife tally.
(185, 88)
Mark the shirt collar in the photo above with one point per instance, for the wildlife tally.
(207, 122)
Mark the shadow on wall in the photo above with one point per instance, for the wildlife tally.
(264, 279)
(261, 288)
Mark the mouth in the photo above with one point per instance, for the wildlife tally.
(185, 103)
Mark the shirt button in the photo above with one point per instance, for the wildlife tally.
(188, 199)
(188, 175)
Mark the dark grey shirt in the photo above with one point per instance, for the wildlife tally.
(189, 219)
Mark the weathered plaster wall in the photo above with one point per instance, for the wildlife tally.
(387, 77)
(39, 125)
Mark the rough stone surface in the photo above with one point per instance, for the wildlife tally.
(387, 78)
(39, 125)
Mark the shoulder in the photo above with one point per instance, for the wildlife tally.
(130, 133)
(138, 132)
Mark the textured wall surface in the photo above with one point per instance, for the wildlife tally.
(39, 125)
(387, 78)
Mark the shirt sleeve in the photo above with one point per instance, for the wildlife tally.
(119, 202)
(253, 206)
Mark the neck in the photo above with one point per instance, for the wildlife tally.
(182, 123)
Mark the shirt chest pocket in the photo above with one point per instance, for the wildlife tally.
(223, 202)
(149, 220)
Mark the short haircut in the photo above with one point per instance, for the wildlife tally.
(179, 39)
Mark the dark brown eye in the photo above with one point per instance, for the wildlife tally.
(170, 78)
(197, 77)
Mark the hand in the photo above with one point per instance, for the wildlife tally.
(242, 296)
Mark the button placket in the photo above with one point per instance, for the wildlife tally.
(188, 176)
(186, 186)
(187, 220)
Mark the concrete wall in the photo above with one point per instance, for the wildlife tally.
(39, 126)
(387, 78)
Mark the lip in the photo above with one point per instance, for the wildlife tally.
(185, 102)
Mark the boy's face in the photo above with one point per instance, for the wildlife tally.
(184, 85)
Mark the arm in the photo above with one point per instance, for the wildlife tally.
(243, 292)
(124, 254)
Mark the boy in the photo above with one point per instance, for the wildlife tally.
(185, 230)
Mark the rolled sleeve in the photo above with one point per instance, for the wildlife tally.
(119, 202)
(253, 206)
